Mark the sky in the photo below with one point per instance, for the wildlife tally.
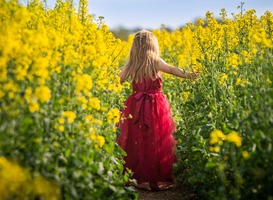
(151, 14)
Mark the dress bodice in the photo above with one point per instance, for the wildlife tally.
(148, 85)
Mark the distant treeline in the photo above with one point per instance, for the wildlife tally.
(122, 32)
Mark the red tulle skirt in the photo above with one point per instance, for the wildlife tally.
(146, 129)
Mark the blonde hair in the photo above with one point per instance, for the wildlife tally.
(144, 56)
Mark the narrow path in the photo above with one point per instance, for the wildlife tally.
(176, 193)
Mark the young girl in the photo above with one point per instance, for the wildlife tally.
(146, 126)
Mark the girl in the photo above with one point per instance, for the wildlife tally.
(146, 126)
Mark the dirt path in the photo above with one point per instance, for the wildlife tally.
(176, 193)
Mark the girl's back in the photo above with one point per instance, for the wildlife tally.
(147, 85)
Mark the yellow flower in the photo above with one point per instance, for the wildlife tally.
(216, 137)
(185, 96)
(222, 79)
(94, 103)
(98, 121)
(11, 95)
(92, 130)
(82, 99)
(83, 83)
(233, 137)
(70, 115)
(89, 119)
(245, 154)
(101, 140)
(93, 137)
(233, 61)
(10, 86)
(98, 139)
(211, 148)
(45, 188)
(247, 56)
(43, 93)
(241, 82)
(61, 120)
(13, 178)
(33, 106)
(113, 115)
(217, 149)
(28, 94)
(61, 128)
(126, 85)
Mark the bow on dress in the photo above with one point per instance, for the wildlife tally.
(143, 109)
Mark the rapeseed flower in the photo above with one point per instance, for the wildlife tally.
(241, 82)
(216, 137)
(234, 137)
(94, 103)
(43, 94)
(70, 115)
(101, 140)
(113, 116)
(33, 106)
(245, 154)
(16, 182)
(222, 79)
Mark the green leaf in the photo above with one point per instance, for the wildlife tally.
(210, 165)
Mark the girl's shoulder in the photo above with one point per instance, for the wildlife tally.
(160, 64)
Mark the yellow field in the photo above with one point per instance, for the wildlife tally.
(60, 100)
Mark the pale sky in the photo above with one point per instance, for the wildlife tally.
(151, 14)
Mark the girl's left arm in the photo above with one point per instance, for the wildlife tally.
(165, 67)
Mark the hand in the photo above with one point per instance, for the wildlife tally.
(194, 75)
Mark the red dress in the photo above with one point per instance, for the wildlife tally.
(146, 129)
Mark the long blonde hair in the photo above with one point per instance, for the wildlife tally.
(144, 56)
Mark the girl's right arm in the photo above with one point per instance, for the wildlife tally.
(165, 67)
(122, 75)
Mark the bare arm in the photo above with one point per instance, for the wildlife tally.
(165, 67)
(122, 75)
